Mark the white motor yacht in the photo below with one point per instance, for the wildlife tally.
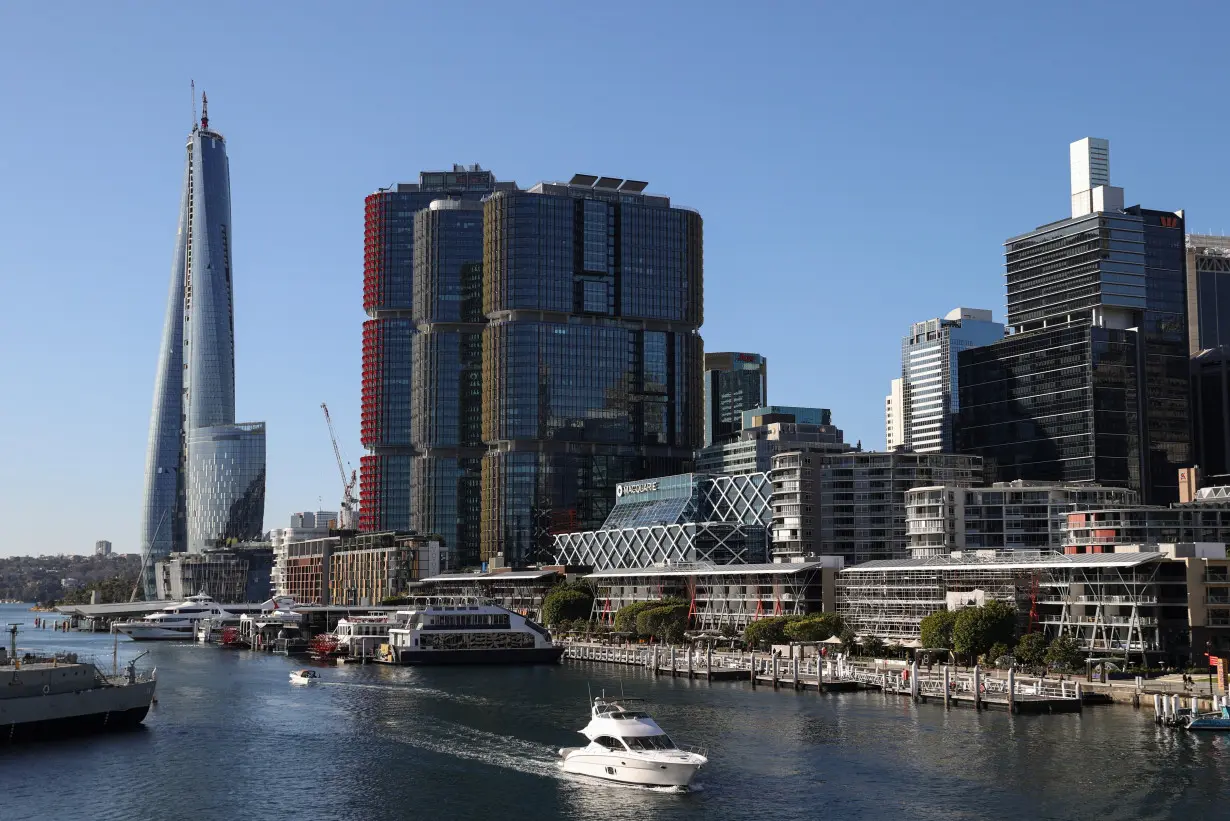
(178, 621)
(626, 745)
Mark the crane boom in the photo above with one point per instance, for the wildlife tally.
(346, 514)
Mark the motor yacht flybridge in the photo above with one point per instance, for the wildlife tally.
(627, 745)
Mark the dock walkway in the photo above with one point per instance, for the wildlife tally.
(1018, 694)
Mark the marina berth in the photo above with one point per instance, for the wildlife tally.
(467, 634)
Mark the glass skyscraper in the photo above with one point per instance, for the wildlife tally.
(204, 475)
(389, 288)
(734, 382)
(1092, 386)
(592, 356)
(1208, 292)
(929, 374)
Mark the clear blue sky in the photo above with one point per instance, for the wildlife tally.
(857, 171)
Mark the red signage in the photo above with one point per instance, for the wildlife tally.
(747, 357)
(1170, 222)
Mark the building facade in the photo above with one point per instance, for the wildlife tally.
(1204, 520)
(1210, 379)
(102, 548)
(231, 575)
(359, 569)
(732, 596)
(930, 398)
(1006, 516)
(592, 357)
(894, 415)
(734, 383)
(1208, 292)
(853, 504)
(1092, 386)
(672, 519)
(199, 463)
(389, 334)
(768, 431)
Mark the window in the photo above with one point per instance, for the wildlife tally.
(609, 742)
(650, 742)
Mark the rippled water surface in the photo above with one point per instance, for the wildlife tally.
(231, 739)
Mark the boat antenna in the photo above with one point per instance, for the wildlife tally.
(588, 689)
(621, 687)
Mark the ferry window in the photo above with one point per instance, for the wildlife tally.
(608, 742)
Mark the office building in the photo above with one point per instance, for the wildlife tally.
(894, 415)
(1208, 292)
(102, 548)
(1092, 386)
(389, 257)
(734, 383)
(768, 431)
(357, 569)
(930, 399)
(204, 475)
(671, 519)
(1210, 379)
(446, 418)
(592, 357)
(1005, 516)
(853, 504)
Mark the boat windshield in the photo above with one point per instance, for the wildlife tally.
(650, 742)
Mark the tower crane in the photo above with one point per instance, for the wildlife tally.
(346, 514)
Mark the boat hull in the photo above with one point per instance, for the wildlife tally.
(86, 711)
(1216, 724)
(143, 633)
(511, 655)
(626, 770)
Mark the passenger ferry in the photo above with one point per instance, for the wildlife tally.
(467, 634)
(178, 621)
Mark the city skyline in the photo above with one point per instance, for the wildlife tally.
(301, 264)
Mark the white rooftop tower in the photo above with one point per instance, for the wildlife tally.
(1091, 188)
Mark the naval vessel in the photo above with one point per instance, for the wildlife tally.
(46, 696)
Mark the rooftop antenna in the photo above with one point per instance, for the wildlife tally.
(193, 84)
(204, 112)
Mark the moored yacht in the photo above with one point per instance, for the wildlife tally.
(467, 634)
(177, 621)
(626, 745)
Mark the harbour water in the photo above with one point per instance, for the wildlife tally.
(230, 738)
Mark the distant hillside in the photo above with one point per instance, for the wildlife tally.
(37, 578)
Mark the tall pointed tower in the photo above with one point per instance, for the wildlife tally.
(204, 474)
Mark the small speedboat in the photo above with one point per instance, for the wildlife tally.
(1210, 721)
(628, 746)
(304, 677)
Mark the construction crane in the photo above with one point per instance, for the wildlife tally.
(345, 516)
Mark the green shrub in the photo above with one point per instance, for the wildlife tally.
(568, 602)
(936, 629)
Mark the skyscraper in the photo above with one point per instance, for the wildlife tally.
(734, 382)
(894, 415)
(592, 357)
(1208, 292)
(204, 475)
(1092, 386)
(389, 335)
(929, 374)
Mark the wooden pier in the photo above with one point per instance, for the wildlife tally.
(1013, 693)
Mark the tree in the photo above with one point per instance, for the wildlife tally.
(937, 629)
(764, 633)
(976, 629)
(1063, 653)
(665, 623)
(728, 630)
(626, 616)
(1031, 649)
(873, 646)
(849, 641)
(568, 602)
(998, 650)
(814, 628)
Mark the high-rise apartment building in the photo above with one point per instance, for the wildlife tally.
(592, 357)
(1208, 292)
(894, 415)
(853, 504)
(204, 474)
(1092, 386)
(102, 548)
(734, 382)
(930, 398)
(389, 335)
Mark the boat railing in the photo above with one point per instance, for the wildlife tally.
(695, 749)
